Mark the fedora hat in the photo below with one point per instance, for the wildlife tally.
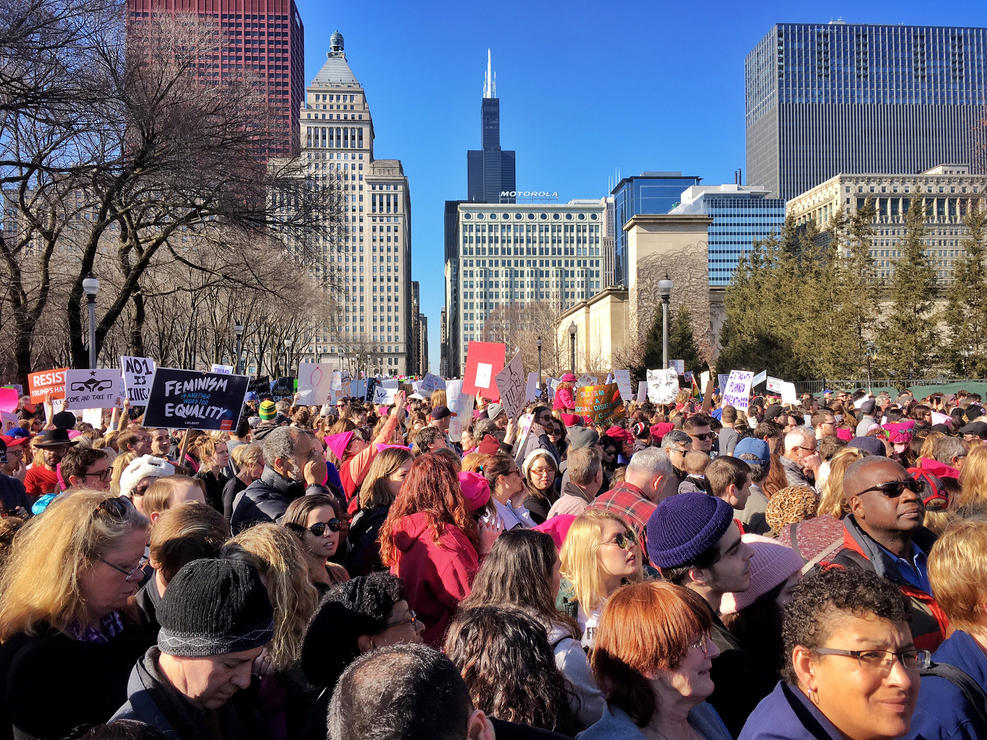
(54, 438)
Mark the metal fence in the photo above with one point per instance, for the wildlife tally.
(875, 384)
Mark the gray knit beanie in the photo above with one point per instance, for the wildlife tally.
(214, 607)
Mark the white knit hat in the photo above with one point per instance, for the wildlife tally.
(145, 466)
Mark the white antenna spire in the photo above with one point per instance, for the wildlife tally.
(490, 81)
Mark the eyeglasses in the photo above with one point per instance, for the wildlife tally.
(808, 449)
(319, 528)
(542, 473)
(101, 474)
(623, 541)
(702, 644)
(894, 488)
(883, 660)
(116, 506)
(128, 573)
(412, 618)
(707, 435)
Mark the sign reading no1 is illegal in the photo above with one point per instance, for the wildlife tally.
(137, 374)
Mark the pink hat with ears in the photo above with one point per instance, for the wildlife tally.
(337, 443)
(557, 528)
(475, 489)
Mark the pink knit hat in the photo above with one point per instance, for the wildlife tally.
(557, 528)
(773, 563)
(337, 443)
(475, 488)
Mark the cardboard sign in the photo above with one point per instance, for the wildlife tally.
(100, 388)
(315, 380)
(531, 390)
(222, 369)
(385, 391)
(679, 366)
(370, 390)
(524, 429)
(788, 394)
(663, 385)
(187, 399)
(431, 383)
(510, 384)
(773, 384)
(642, 391)
(738, 390)
(137, 374)
(483, 361)
(587, 380)
(601, 404)
(623, 378)
(42, 383)
(703, 380)
(461, 404)
(8, 421)
(721, 382)
(357, 388)
(9, 399)
(759, 378)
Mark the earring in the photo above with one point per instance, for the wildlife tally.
(814, 696)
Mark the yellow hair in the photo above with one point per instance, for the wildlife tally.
(580, 563)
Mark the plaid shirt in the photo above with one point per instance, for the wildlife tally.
(628, 502)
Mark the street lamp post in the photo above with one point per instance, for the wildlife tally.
(665, 291)
(572, 345)
(90, 286)
(538, 345)
(238, 330)
(287, 356)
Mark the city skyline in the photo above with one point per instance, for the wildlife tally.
(584, 96)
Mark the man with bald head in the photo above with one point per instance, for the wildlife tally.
(883, 533)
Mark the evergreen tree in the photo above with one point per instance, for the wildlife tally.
(681, 344)
(966, 304)
(906, 343)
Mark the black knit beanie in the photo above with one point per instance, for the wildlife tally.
(214, 607)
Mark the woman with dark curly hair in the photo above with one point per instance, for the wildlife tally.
(522, 572)
(851, 667)
(432, 543)
(509, 669)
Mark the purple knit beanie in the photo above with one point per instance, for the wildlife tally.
(685, 526)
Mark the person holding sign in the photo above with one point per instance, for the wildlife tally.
(43, 478)
(565, 399)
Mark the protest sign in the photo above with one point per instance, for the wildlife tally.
(137, 374)
(623, 378)
(9, 398)
(483, 361)
(587, 380)
(358, 387)
(431, 383)
(100, 388)
(601, 404)
(703, 381)
(738, 390)
(510, 385)
(773, 384)
(283, 387)
(93, 416)
(8, 421)
(188, 399)
(524, 428)
(315, 379)
(759, 378)
(679, 366)
(42, 383)
(260, 385)
(721, 382)
(663, 385)
(461, 404)
(642, 391)
(531, 390)
(370, 390)
(788, 394)
(384, 392)
(222, 369)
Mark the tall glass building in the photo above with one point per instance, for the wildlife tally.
(742, 215)
(650, 192)
(826, 99)
(491, 170)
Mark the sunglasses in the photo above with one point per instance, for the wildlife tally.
(623, 541)
(707, 435)
(319, 528)
(894, 488)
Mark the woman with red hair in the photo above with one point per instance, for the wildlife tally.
(432, 543)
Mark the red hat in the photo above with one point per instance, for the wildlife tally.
(14, 441)
(659, 430)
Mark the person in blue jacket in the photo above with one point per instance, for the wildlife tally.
(852, 669)
(958, 575)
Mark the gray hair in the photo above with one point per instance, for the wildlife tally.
(675, 437)
(946, 448)
(281, 442)
(798, 435)
(650, 461)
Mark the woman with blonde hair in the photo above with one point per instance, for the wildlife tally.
(384, 478)
(973, 483)
(67, 614)
(833, 501)
(214, 461)
(120, 463)
(600, 554)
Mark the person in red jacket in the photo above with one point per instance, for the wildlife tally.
(565, 400)
(431, 541)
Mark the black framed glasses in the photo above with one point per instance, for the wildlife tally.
(623, 541)
(128, 573)
(883, 660)
(319, 528)
(894, 488)
(101, 474)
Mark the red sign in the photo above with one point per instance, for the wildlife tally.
(42, 383)
(483, 361)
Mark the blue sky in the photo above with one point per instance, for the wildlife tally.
(586, 89)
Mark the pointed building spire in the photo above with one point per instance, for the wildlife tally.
(489, 81)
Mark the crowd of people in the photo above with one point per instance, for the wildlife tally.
(688, 570)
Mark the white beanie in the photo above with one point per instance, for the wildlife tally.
(145, 466)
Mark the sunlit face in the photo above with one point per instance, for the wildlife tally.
(222, 456)
(541, 473)
(691, 679)
(160, 443)
(105, 584)
(619, 554)
(861, 700)
(732, 571)
(395, 479)
(54, 455)
(97, 476)
(324, 546)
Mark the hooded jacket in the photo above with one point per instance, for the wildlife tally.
(437, 571)
(860, 550)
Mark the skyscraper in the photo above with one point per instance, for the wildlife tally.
(374, 259)
(829, 99)
(490, 170)
(264, 36)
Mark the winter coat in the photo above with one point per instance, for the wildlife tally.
(942, 712)
(266, 499)
(786, 714)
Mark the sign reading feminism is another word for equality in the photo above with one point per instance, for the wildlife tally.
(188, 399)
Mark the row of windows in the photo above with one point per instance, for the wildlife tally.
(531, 216)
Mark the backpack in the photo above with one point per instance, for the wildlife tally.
(972, 692)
